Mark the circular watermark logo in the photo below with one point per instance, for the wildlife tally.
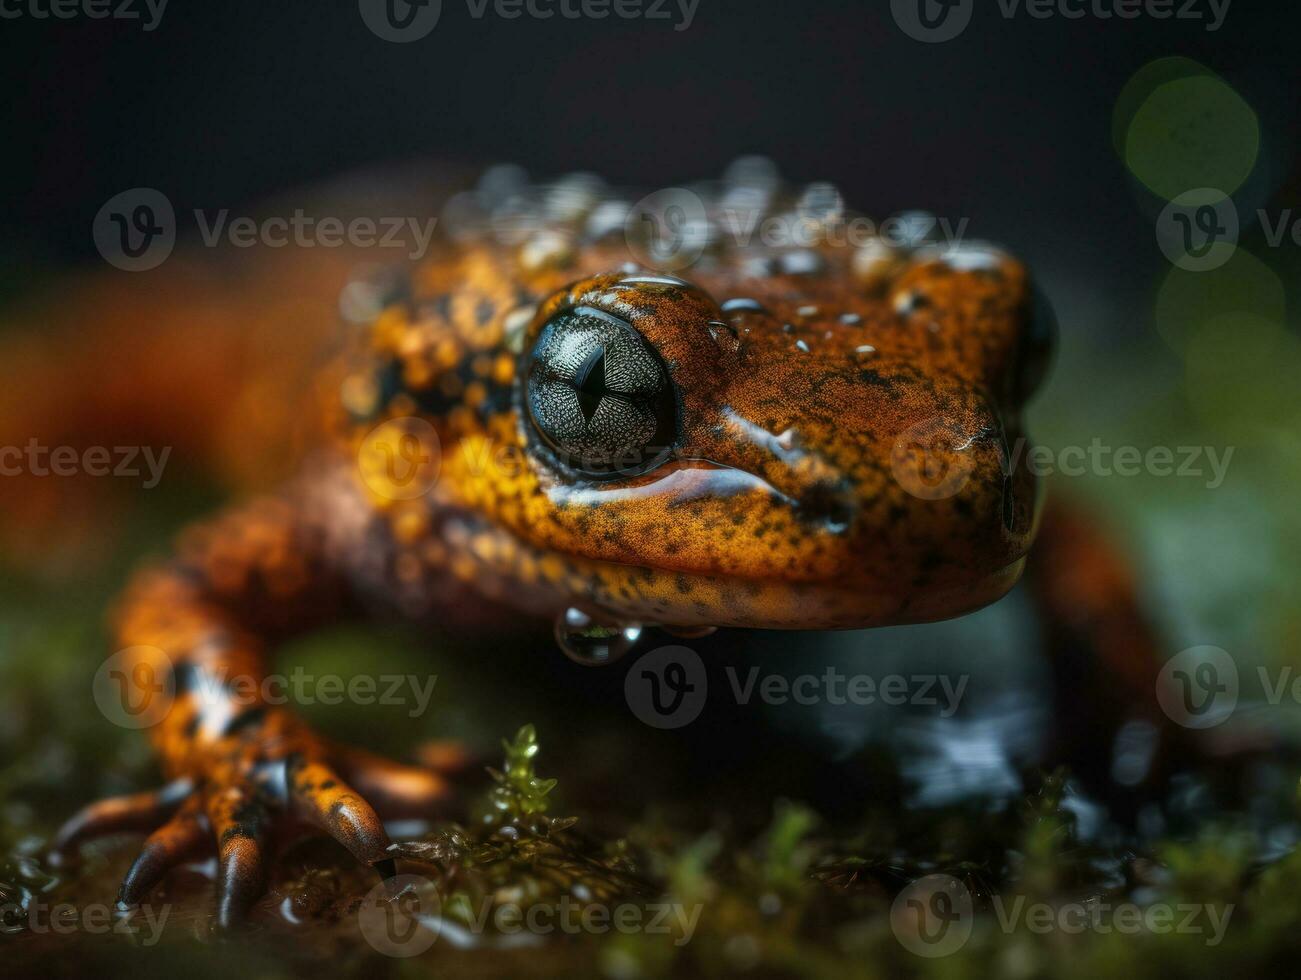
(400, 916)
(929, 460)
(667, 687)
(135, 687)
(1198, 230)
(668, 230)
(135, 230)
(932, 21)
(400, 459)
(1198, 687)
(401, 21)
(933, 916)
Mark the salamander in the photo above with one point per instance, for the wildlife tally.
(612, 414)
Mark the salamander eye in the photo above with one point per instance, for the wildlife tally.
(599, 395)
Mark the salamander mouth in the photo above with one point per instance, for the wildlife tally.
(520, 573)
(826, 506)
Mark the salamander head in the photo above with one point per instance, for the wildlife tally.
(813, 436)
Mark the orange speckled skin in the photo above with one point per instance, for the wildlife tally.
(800, 491)
(788, 500)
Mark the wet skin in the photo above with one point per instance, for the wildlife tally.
(766, 437)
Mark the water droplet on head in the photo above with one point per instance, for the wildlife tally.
(743, 305)
(546, 250)
(593, 644)
(864, 352)
(822, 202)
(515, 325)
(724, 334)
(754, 171)
(607, 218)
(973, 256)
(802, 262)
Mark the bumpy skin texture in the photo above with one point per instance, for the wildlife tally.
(817, 391)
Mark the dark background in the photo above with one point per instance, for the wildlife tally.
(1008, 124)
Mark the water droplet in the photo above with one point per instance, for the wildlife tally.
(803, 262)
(966, 256)
(607, 218)
(516, 325)
(850, 319)
(821, 202)
(807, 311)
(802, 345)
(546, 250)
(593, 644)
(864, 352)
(743, 304)
(724, 334)
(754, 171)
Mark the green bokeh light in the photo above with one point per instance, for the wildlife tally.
(1244, 284)
(1185, 128)
(1241, 378)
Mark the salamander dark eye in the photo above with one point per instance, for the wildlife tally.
(599, 395)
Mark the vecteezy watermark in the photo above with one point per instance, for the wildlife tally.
(400, 459)
(670, 229)
(1200, 687)
(144, 923)
(405, 915)
(667, 688)
(149, 12)
(936, 21)
(934, 917)
(835, 687)
(123, 462)
(136, 230)
(1200, 229)
(135, 688)
(404, 21)
(1123, 918)
(932, 460)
